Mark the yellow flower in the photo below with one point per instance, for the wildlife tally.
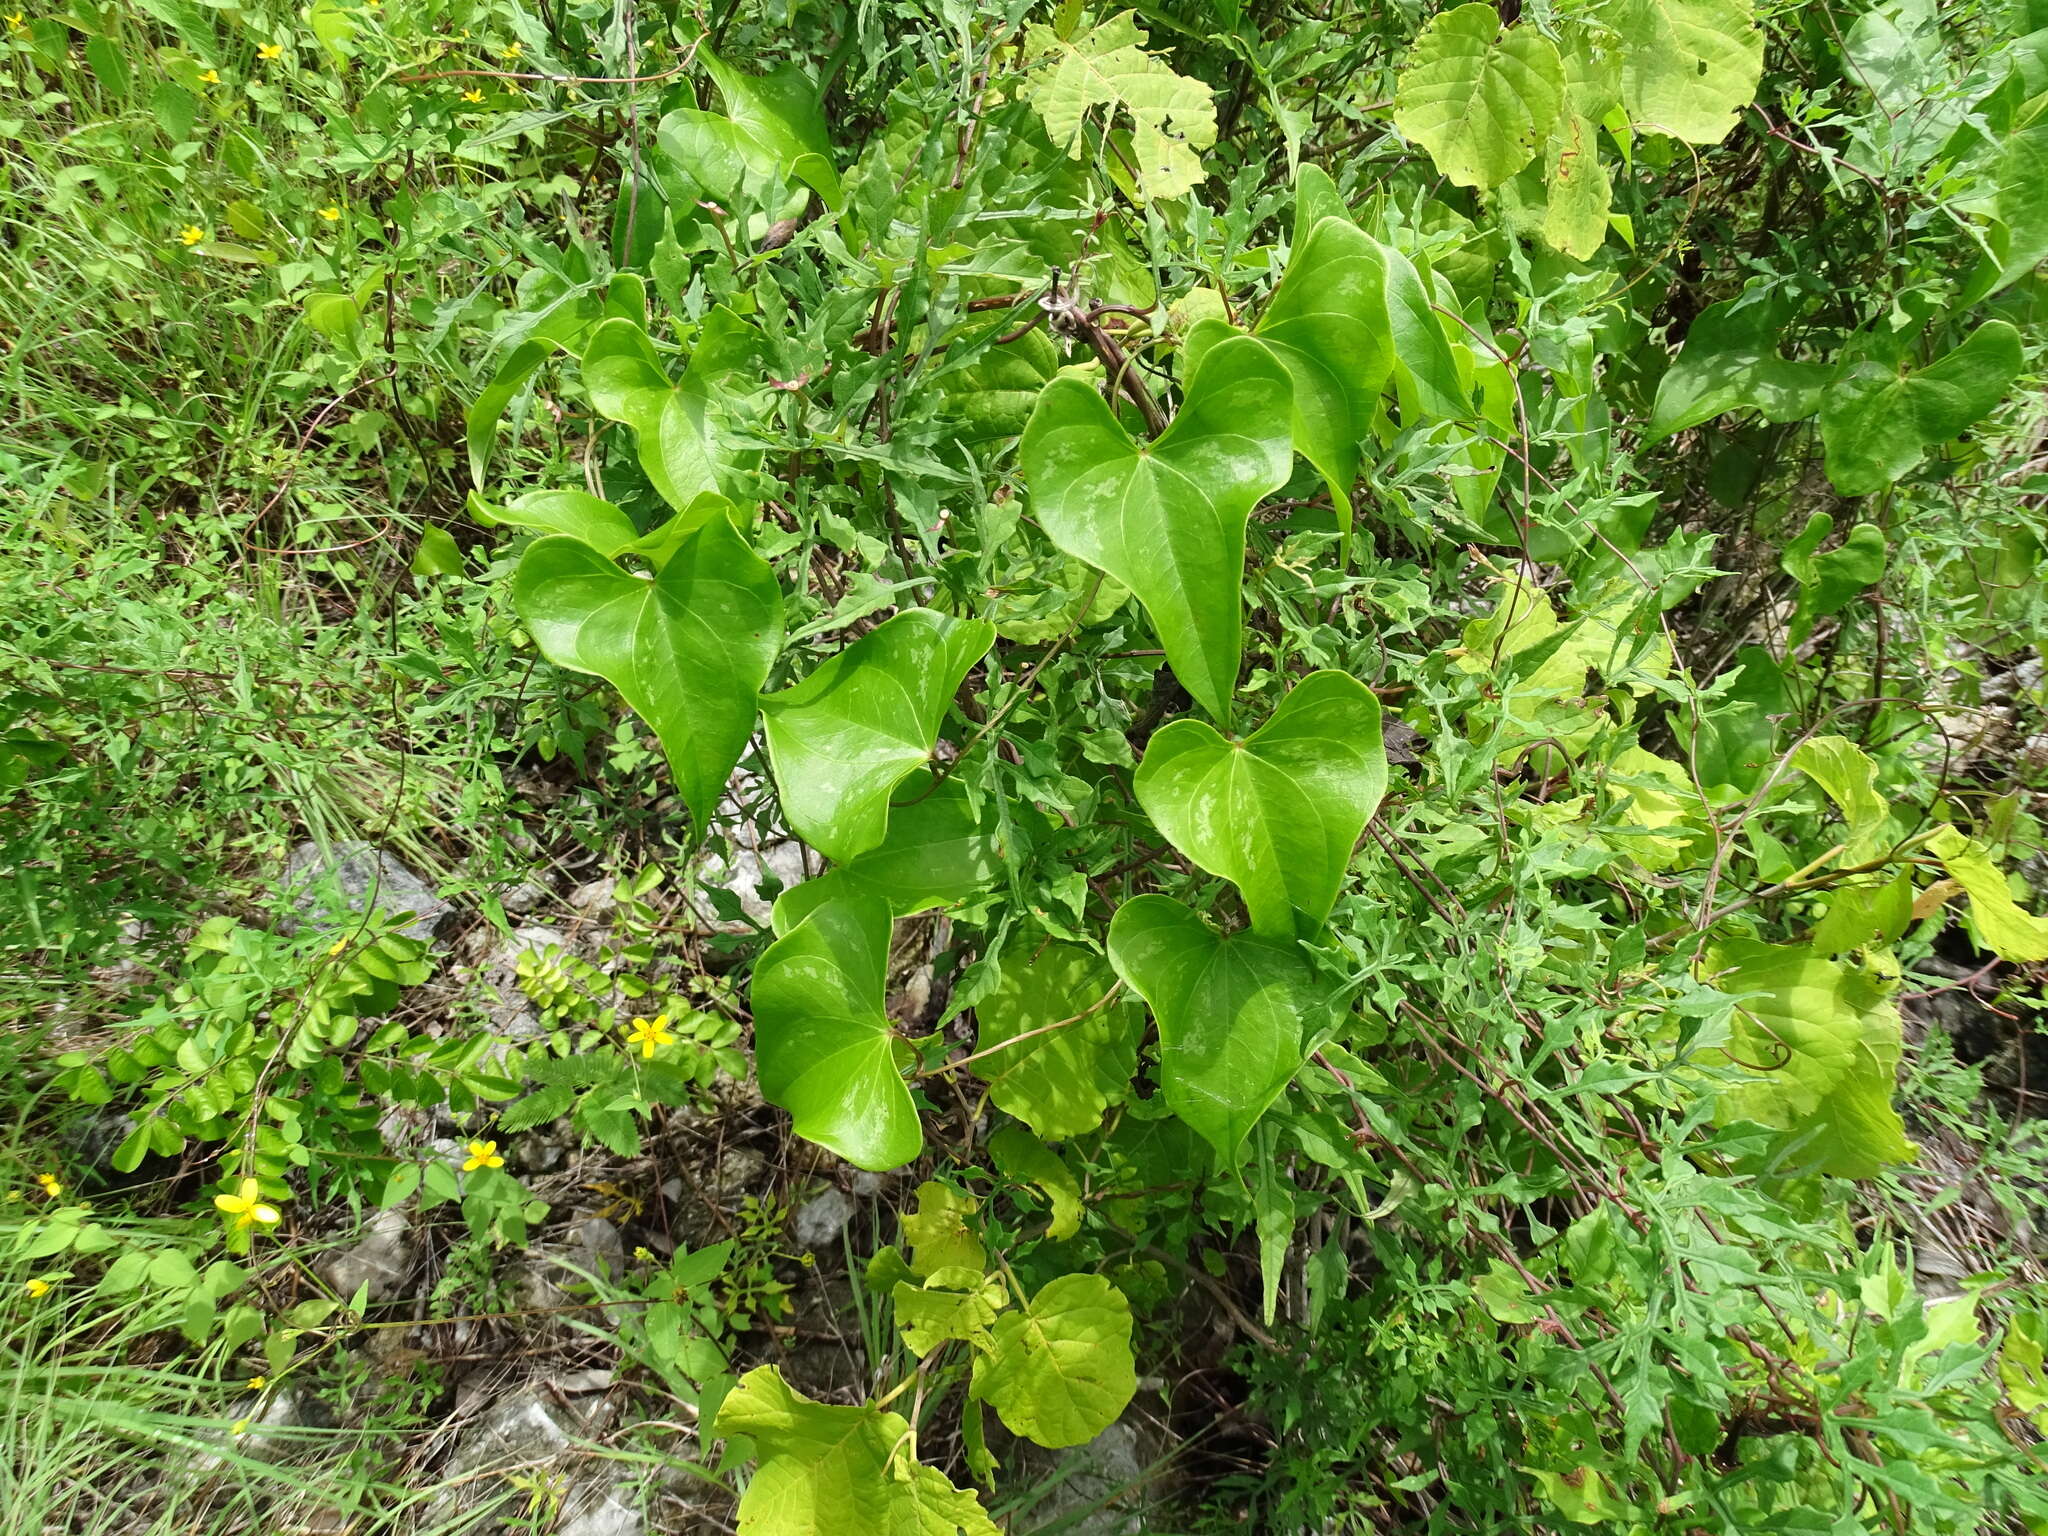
(239, 1428)
(37, 1289)
(330, 213)
(482, 1154)
(245, 1207)
(472, 95)
(512, 52)
(191, 234)
(270, 51)
(258, 1383)
(51, 1185)
(211, 77)
(16, 22)
(649, 1033)
(339, 944)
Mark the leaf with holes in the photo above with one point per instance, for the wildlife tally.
(688, 650)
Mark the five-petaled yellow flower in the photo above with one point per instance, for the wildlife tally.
(245, 1206)
(258, 1383)
(482, 1154)
(649, 1033)
(191, 234)
(330, 213)
(52, 1186)
(270, 51)
(472, 95)
(37, 1289)
(211, 77)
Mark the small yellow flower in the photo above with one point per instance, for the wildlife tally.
(472, 96)
(17, 22)
(191, 234)
(649, 1033)
(211, 77)
(52, 1186)
(258, 1383)
(37, 1289)
(512, 52)
(245, 1207)
(270, 51)
(239, 1428)
(330, 213)
(482, 1154)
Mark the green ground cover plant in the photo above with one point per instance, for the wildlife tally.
(1341, 707)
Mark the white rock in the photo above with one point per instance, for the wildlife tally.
(820, 1219)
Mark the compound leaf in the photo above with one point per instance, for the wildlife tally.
(1278, 813)
(688, 650)
(1479, 98)
(1167, 519)
(1061, 1369)
(1234, 1014)
(823, 1046)
(842, 739)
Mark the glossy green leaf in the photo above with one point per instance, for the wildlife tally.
(827, 1470)
(1876, 423)
(1061, 1370)
(679, 443)
(1279, 812)
(1730, 362)
(824, 1048)
(1481, 99)
(841, 740)
(781, 115)
(572, 514)
(1058, 1082)
(938, 850)
(1326, 322)
(1688, 66)
(1819, 1045)
(1235, 1014)
(688, 649)
(1167, 519)
(2008, 930)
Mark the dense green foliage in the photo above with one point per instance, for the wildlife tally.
(1432, 620)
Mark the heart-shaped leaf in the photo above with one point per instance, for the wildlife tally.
(572, 514)
(1075, 1052)
(1481, 100)
(1688, 66)
(688, 649)
(938, 851)
(1278, 813)
(1730, 361)
(1167, 518)
(679, 444)
(1234, 1014)
(1875, 423)
(823, 1046)
(842, 739)
(1061, 1369)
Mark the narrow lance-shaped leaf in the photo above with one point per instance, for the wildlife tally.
(688, 650)
(842, 739)
(1278, 813)
(823, 1046)
(1167, 519)
(1234, 1014)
